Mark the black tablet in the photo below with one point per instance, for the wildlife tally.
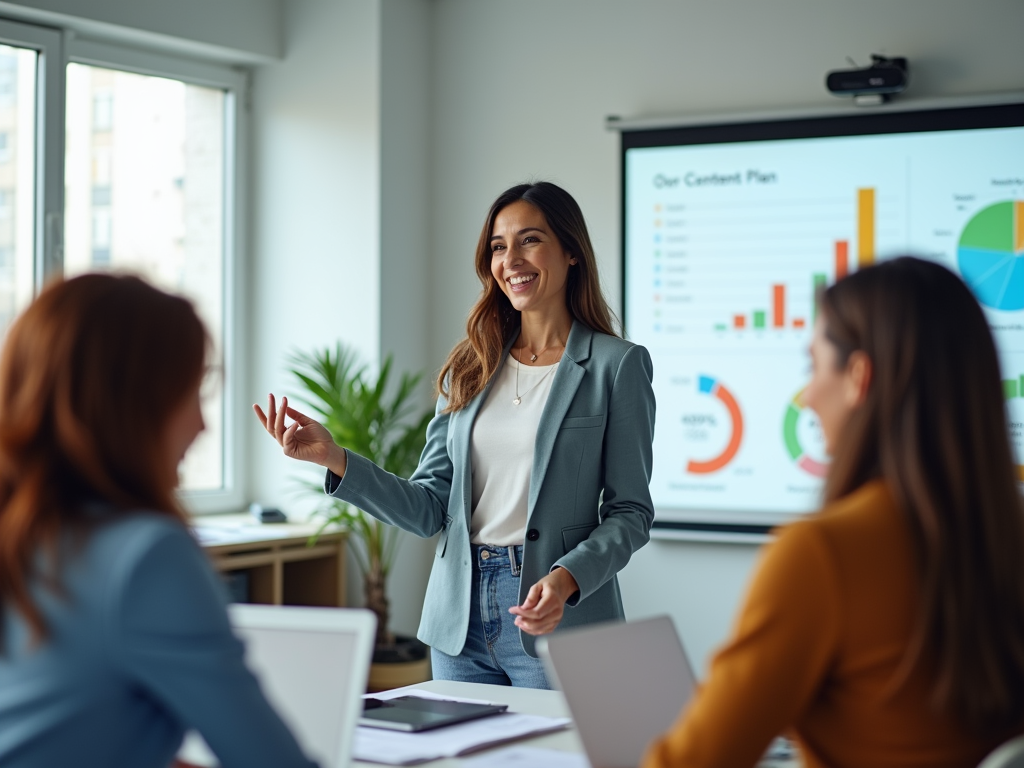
(411, 713)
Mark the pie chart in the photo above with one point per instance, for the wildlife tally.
(790, 434)
(709, 386)
(991, 255)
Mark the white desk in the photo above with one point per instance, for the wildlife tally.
(526, 700)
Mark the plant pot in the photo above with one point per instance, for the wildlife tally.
(406, 662)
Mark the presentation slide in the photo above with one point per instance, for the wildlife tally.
(725, 246)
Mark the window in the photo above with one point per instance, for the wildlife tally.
(102, 107)
(8, 77)
(18, 121)
(139, 176)
(157, 209)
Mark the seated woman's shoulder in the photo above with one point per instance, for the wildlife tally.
(860, 517)
(131, 536)
(872, 498)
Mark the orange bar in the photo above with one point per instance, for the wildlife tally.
(798, 322)
(842, 259)
(778, 306)
(739, 321)
(865, 227)
(1018, 226)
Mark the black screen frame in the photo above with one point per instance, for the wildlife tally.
(1009, 114)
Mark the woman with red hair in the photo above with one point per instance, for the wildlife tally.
(113, 632)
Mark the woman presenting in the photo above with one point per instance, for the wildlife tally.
(537, 462)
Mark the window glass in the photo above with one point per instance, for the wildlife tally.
(17, 180)
(144, 193)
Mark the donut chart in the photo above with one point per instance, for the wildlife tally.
(793, 447)
(990, 255)
(709, 386)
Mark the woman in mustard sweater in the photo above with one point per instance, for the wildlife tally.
(888, 629)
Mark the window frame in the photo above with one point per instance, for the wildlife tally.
(235, 83)
(57, 47)
(49, 43)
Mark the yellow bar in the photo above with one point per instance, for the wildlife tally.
(865, 227)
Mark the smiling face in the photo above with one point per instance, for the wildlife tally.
(527, 260)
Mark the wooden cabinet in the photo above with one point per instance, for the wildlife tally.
(275, 562)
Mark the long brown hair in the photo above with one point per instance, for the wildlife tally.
(89, 376)
(493, 321)
(933, 426)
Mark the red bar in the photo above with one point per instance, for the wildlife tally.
(842, 259)
(778, 306)
(739, 321)
(798, 322)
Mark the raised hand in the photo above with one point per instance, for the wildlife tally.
(304, 439)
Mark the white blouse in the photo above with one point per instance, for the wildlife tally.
(502, 447)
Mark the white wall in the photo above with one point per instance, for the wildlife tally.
(340, 135)
(405, 79)
(235, 30)
(314, 269)
(521, 90)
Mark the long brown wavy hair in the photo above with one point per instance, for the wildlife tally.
(493, 321)
(934, 428)
(89, 376)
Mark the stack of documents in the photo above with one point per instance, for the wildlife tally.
(379, 745)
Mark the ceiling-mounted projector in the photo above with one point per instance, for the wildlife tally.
(870, 85)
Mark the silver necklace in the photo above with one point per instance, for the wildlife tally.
(519, 397)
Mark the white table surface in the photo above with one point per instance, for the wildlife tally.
(526, 700)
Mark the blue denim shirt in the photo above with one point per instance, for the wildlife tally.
(139, 649)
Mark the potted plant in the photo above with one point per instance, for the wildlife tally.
(364, 415)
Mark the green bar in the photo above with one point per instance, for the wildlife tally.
(721, 327)
(1009, 388)
(1021, 389)
(759, 318)
(819, 282)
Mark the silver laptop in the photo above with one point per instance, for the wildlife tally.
(312, 664)
(625, 683)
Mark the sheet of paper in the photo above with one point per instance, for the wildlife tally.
(210, 535)
(394, 693)
(379, 745)
(528, 757)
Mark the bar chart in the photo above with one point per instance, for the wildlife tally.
(782, 318)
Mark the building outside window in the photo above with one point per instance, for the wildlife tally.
(148, 187)
(144, 192)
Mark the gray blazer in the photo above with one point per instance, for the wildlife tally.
(590, 506)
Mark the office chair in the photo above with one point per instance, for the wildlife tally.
(1008, 755)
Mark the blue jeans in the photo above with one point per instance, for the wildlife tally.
(493, 652)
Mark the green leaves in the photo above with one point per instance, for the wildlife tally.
(360, 413)
(367, 417)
